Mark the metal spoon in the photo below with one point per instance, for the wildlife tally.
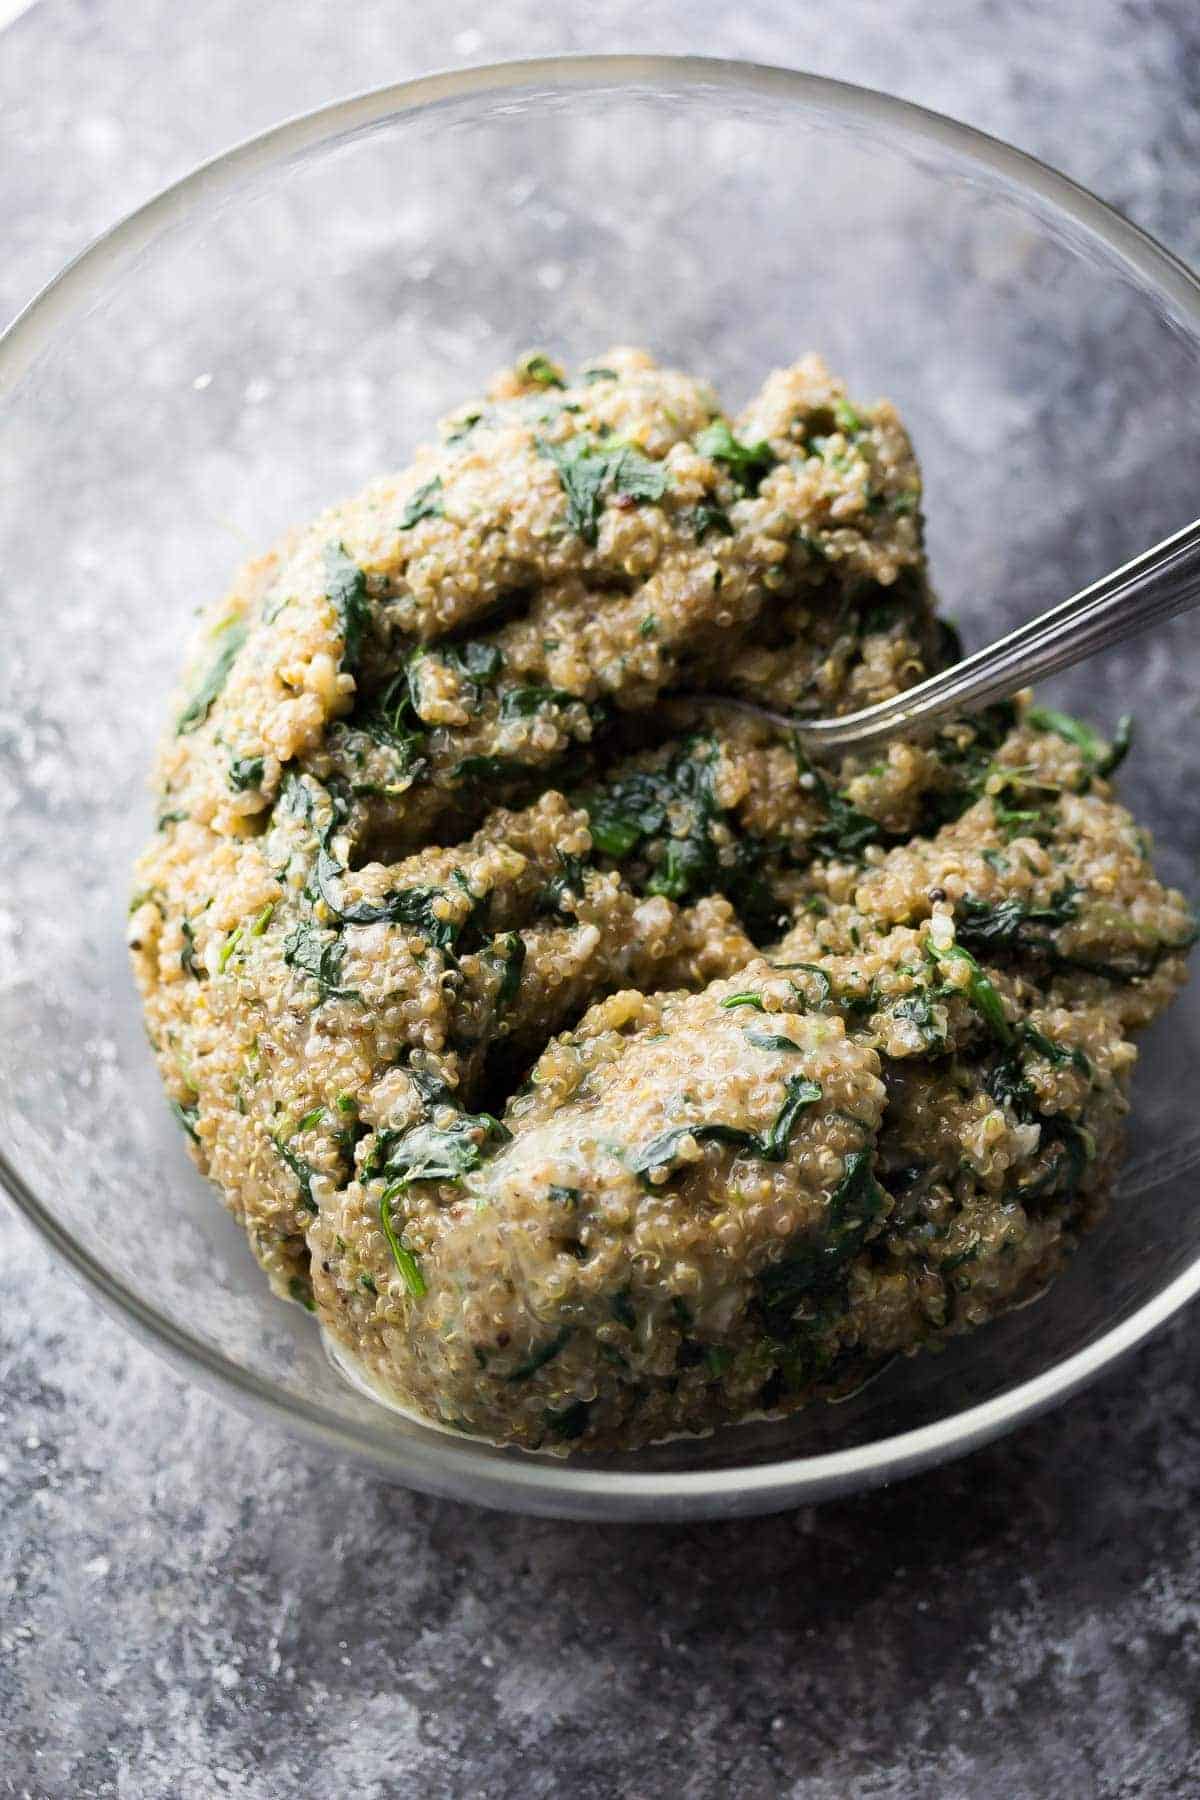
(1157, 585)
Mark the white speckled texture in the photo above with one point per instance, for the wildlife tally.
(191, 1605)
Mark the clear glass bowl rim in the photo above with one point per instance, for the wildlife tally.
(442, 1463)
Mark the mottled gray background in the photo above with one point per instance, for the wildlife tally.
(191, 1605)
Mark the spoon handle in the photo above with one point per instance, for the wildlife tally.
(1155, 586)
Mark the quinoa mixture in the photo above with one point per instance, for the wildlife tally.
(592, 1066)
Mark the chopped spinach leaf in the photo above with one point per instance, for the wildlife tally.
(538, 368)
(187, 1117)
(320, 955)
(916, 1009)
(668, 814)
(537, 1359)
(523, 702)
(817, 1263)
(428, 1152)
(187, 956)
(1015, 924)
(405, 1261)
(302, 1170)
(824, 985)
(426, 503)
(569, 1423)
(487, 768)
(391, 720)
(506, 954)
(462, 427)
(415, 907)
(980, 991)
(771, 1145)
(845, 831)
(700, 520)
(770, 1040)
(588, 471)
(1119, 748)
(747, 463)
(590, 376)
(301, 1291)
(233, 635)
(346, 586)
(567, 882)
(1056, 1054)
(1100, 758)
(847, 418)
(245, 772)
(800, 1092)
(477, 660)
(754, 1000)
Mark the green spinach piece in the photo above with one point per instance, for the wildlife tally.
(245, 772)
(301, 1292)
(815, 1265)
(537, 1359)
(523, 702)
(668, 815)
(320, 955)
(477, 661)
(302, 1170)
(700, 520)
(487, 768)
(845, 831)
(537, 367)
(770, 1145)
(748, 464)
(428, 1152)
(569, 878)
(506, 954)
(1100, 758)
(571, 1422)
(589, 471)
(980, 991)
(1056, 1054)
(916, 1009)
(824, 985)
(848, 419)
(346, 586)
(1014, 924)
(391, 720)
(413, 906)
(188, 1117)
(187, 956)
(233, 635)
(799, 1093)
(426, 503)
(405, 1261)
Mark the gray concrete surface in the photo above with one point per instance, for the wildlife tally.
(194, 1606)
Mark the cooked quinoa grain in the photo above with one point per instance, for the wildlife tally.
(595, 1068)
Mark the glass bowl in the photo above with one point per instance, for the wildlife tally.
(291, 319)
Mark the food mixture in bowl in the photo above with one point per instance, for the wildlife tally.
(594, 1067)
